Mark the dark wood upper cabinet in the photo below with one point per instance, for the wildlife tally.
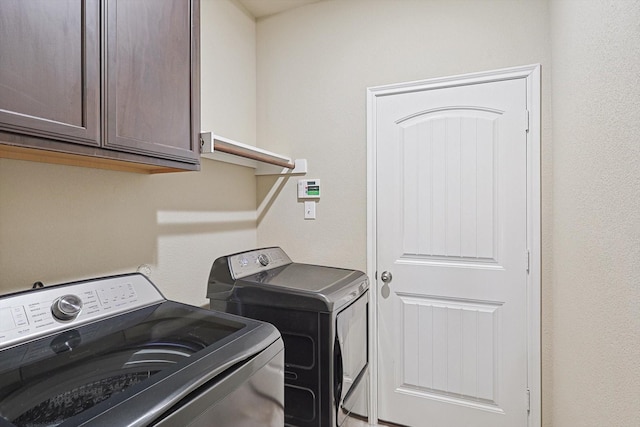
(50, 69)
(115, 81)
(150, 76)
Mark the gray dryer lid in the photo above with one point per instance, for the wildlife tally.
(307, 278)
(303, 286)
(268, 277)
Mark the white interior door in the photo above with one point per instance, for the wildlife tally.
(451, 221)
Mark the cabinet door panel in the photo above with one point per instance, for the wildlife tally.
(152, 87)
(50, 69)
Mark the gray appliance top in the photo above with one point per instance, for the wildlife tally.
(308, 278)
(267, 276)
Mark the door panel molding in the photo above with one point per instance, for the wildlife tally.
(446, 330)
(452, 109)
(448, 169)
(532, 76)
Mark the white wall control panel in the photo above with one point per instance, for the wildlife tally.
(308, 189)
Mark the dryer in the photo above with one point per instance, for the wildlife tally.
(322, 315)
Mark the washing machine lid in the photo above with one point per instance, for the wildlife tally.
(128, 369)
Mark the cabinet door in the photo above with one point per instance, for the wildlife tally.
(152, 78)
(50, 69)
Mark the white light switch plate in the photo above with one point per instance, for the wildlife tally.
(310, 210)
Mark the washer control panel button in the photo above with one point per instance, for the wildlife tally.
(263, 260)
(67, 307)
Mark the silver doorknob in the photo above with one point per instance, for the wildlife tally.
(386, 276)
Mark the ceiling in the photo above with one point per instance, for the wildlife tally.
(262, 8)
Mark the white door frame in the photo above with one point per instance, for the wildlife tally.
(532, 75)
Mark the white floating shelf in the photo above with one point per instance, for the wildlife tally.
(264, 162)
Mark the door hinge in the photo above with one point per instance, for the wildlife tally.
(526, 121)
(528, 400)
(528, 261)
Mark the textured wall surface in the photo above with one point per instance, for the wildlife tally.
(596, 222)
(228, 69)
(61, 223)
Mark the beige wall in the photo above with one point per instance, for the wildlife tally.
(596, 221)
(314, 64)
(60, 223)
(228, 69)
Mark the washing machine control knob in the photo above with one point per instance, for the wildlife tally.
(263, 260)
(67, 307)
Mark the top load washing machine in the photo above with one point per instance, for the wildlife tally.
(114, 352)
(322, 314)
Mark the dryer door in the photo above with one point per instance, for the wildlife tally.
(351, 359)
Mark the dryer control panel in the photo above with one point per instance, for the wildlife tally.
(247, 263)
